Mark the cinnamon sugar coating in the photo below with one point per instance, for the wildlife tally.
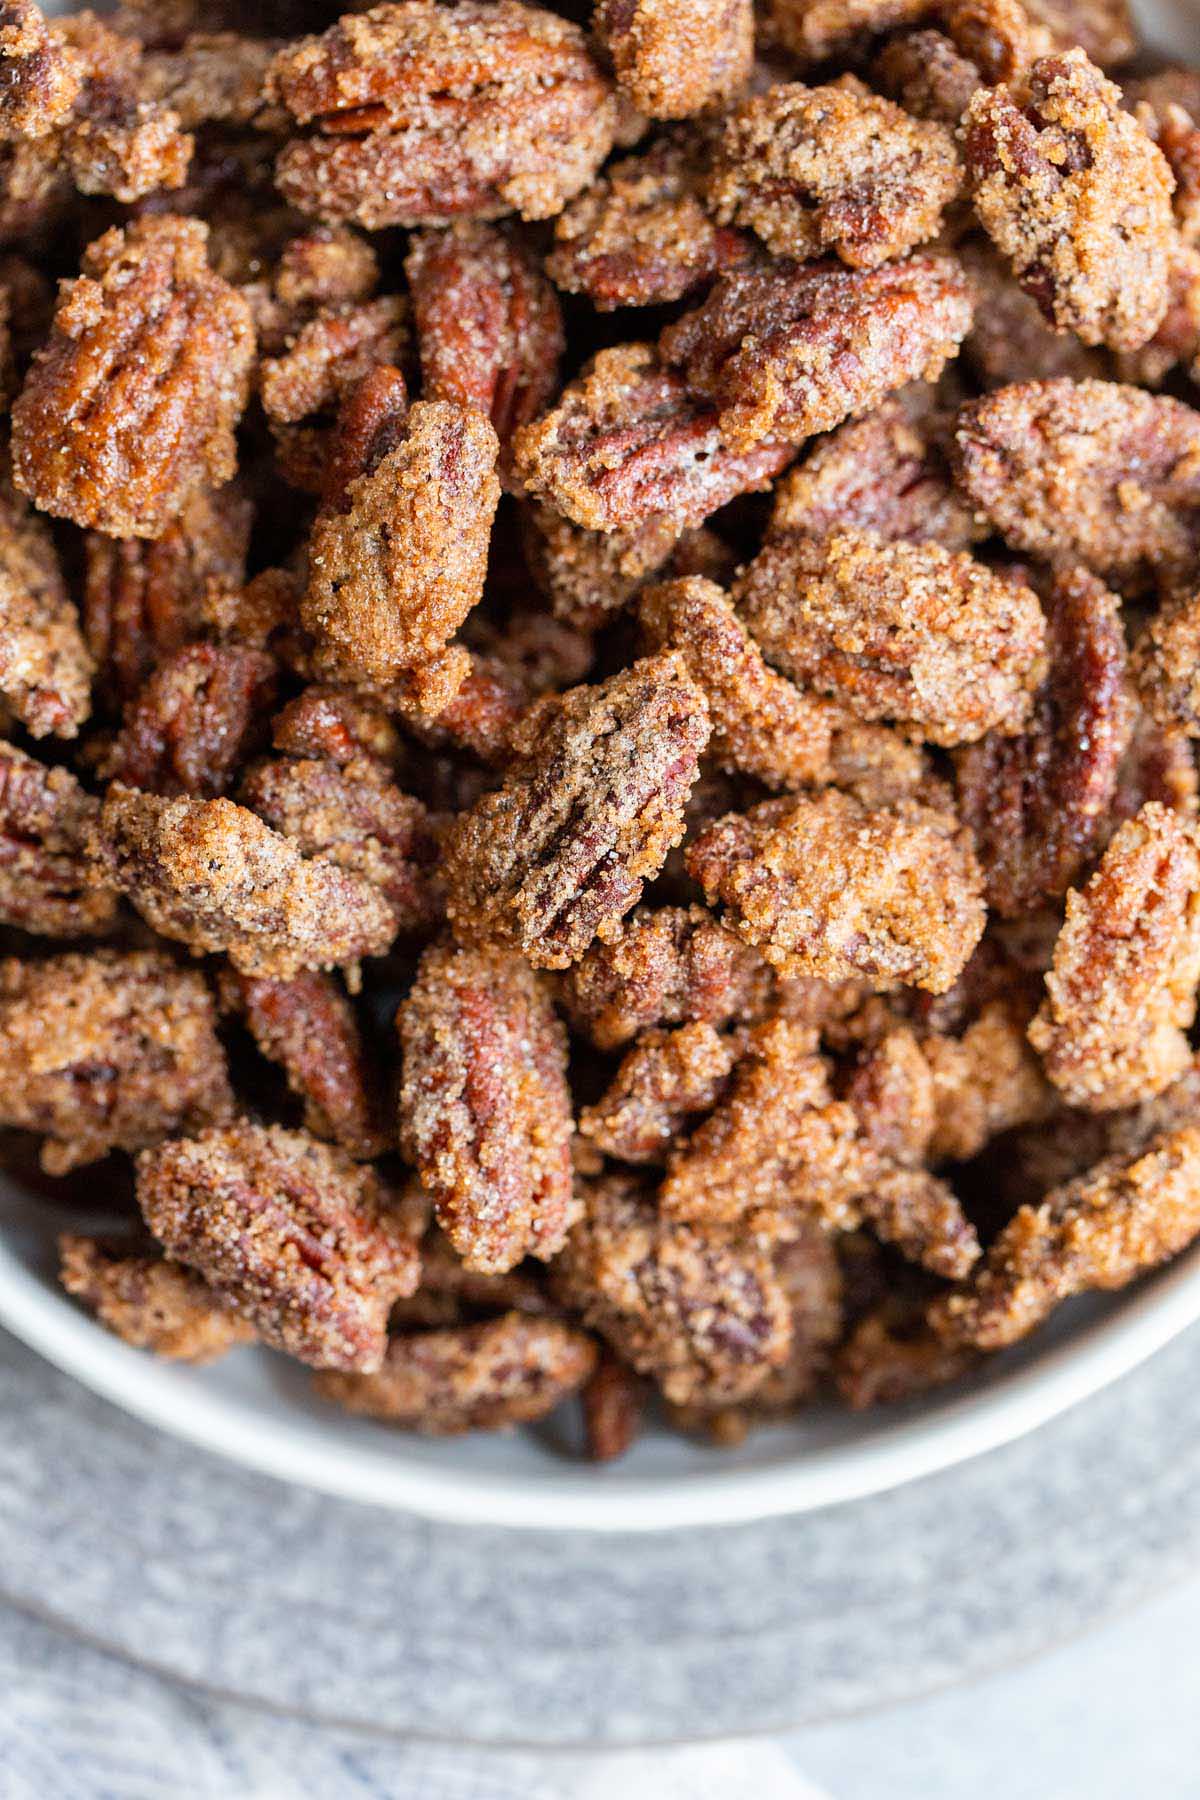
(419, 114)
(665, 1079)
(926, 75)
(215, 77)
(594, 801)
(1167, 107)
(826, 886)
(338, 724)
(1164, 665)
(326, 355)
(117, 138)
(108, 1050)
(908, 632)
(788, 350)
(1122, 989)
(892, 1355)
(1010, 339)
(288, 1232)
(150, 1301)
(195, 720)
(40, 79)
(211, 875)
(482, 1377)
(997, 35)
(1076, 196)
(672, 63)
(131, 405)
(45, 669)
(46, 864)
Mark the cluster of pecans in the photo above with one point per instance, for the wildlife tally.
(600, 645)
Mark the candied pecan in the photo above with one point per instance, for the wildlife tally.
(329, 354)
(485, 1112)
(215, 77)
(354, 817)
(481, 716)
(1099, 1231)
(337, 724)
(833, 169)
(627, 444)
(1158, 765)
(1086, 469)
(811, 1277)
(194, 722)
(922, 1216)
(1122, 989)
(142, 601)
(612, 1403)
(109, 1050)
(40, 77)
(665, 1078)
(994, 34)
(392, 577)
(45, 669)
(1164, 665)
(671, 61)
(131, 405)
(1038, 803)
(213, 876)
(150, 1301)
(639, 235)
(288, 1232)
(46, 821)
(481, 1377)
(828, 887)
(1177, 340)
(488, 324)
(589, 575)
(1009, 339)
(1076, 196)
(707, 1318)
(370, 424)
(893, 1355)
(910, 632)
(924, 72)
(327, 265)
(117, 140)
(788, 350)
(984, 1082)
(307, 1025)
(35, 191)
(1167, 107)
(887, 473)
(422, 114)
(663, 966)
(1101, 27)
(593, 803)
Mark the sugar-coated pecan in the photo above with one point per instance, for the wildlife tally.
(45, 669)
(485, 1111)
(36, 193)
(1038, 803)
(707, 1318)
(46, 866)
(194, 721)
(922, 1216)
(1167, 106)
(329, 354)
(1103, 28)
(663, 966)
(307, 1025)
(671, 64)
(1158, 765)
(1165, 665)
(40, 77)
(909, 632)
(108, 1050)
(288, 1232)
(592, 805)
(994, 34)
(833, 170)
(1177, 340)
(1087, 470)
(131, 405)
(117, 139)
(587, 576)
(828, 887)
(211, 875)
(1100, 1231)
(924, 72)
(338, 724)
(1010, 339)
(985, 1082)
(887, 473)
(893, 1355)
(613, 1403)
(481, 1377)
(1122, 990)
(627, 443)
(421, 114)
(639, 235)
(150, 1301)
(1076, 196)
(393, 575)
(665, 1079)
(214, 77)
(489, 329)
(791, 349)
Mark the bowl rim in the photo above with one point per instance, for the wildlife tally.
(587, 1499)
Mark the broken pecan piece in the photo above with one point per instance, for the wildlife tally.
(663, 1080)
(150, 1301)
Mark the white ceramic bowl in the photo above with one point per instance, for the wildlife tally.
(258, 1408)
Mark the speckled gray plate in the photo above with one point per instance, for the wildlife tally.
(354, 1615)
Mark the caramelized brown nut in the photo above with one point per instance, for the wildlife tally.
(194, 722)
(1167, 107)
(833, 169)
(421, 114)
(46, 868)
(639, 235)
(211, 875)
(994, 34)
(117, 140)
(1122, 991)
(1086, 470)
(131, 405)
(827, 887)
(670, 62)
(330, 354)
(337, 724)
(789, 350)
(485, 1111)
(811, 1277)
(1039, 803)
(628, 443)
(109, 1050)
(892, 1355)
(150, 1301)
(45, 670)
(985, 1082)
(665, 1078)
(922, 1216)
(288, 1232)
(1076, 196)
(924, 72)
(592, 805)
(707, 1318)
(40, 78)
(1158, 765)
(612, 1400)
(1101, 27)
(908, 632)
(482, 1377)
(1164, 665)
(213, 77)
(1010, 339)
(1177, 340)
(1100, 1231)
(589, 575)
(307, 1025)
